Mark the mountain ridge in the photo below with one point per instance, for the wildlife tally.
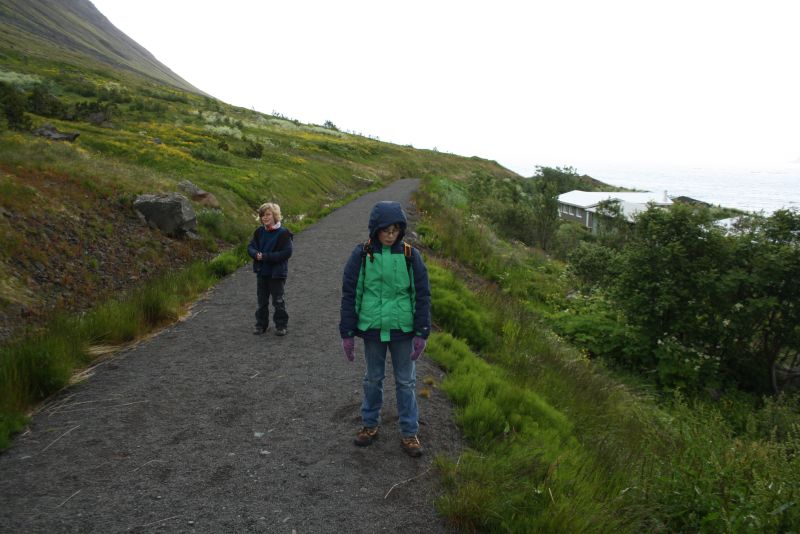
(75, 28)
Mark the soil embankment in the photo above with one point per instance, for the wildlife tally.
(207, 428)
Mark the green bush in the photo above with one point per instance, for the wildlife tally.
(254, 149)
(592, 263)
(42, 101)
(13, 105)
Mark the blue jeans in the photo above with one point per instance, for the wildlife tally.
(405, 380)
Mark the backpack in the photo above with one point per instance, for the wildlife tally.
(366, 250)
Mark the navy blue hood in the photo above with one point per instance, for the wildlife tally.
(387, 213)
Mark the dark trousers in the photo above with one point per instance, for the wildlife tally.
(265, 288)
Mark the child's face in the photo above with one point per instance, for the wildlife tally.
(267, 219)
(387, 236)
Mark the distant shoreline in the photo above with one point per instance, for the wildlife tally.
(748, 189)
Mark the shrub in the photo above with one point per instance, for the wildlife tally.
(225, 130)
(592, 263)
(41, 101)
(254, 149)
(13, 105)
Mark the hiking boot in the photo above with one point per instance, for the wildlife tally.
(258, 330)
(280, 332)
(411, 446)
(366, 436)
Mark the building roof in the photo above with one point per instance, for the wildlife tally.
(590, 199)
(631, 204)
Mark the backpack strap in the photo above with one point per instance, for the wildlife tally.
(407, 248)
(366, 250)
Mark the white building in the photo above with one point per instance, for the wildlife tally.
(581, 206)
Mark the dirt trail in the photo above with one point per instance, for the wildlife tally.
(207, 428)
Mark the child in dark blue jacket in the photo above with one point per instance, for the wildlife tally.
(271, 248)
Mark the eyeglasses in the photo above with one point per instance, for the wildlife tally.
(390, 230)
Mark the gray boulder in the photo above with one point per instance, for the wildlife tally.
(172, 213)
(203, 198)
(51, 132)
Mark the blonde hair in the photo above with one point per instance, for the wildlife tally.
(271, 207)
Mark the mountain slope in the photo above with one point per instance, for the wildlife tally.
(72, 29)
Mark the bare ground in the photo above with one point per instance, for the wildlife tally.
(207, 428)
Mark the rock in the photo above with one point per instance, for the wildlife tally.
(189, 188)
(51, 132)
(172, 213)
(203, 198)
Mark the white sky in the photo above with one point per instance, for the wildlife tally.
(525, 83)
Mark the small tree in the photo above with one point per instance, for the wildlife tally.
(544, 204)
(13, 105)
(42, 102)
(613, 229)
(761, 315)
(668, 284)
(254, 149)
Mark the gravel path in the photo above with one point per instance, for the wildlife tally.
(207, 428)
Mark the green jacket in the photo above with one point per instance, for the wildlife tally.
(385, 294)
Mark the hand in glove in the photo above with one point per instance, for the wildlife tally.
(419, 347)
(349, 348)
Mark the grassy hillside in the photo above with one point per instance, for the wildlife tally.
(68, 232)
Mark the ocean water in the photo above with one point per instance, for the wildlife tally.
(754, 189)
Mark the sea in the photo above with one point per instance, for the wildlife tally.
(755, 189)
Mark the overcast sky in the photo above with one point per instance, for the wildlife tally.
(524, 83)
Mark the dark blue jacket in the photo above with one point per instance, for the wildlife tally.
(276, 248)
(385, 214)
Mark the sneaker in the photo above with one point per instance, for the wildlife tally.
(280, 332)
(411, 446)
(366, 436)
(258, 330)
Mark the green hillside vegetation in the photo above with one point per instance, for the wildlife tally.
(565, 436)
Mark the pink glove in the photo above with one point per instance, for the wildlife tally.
(419, 347)
(349, 348)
